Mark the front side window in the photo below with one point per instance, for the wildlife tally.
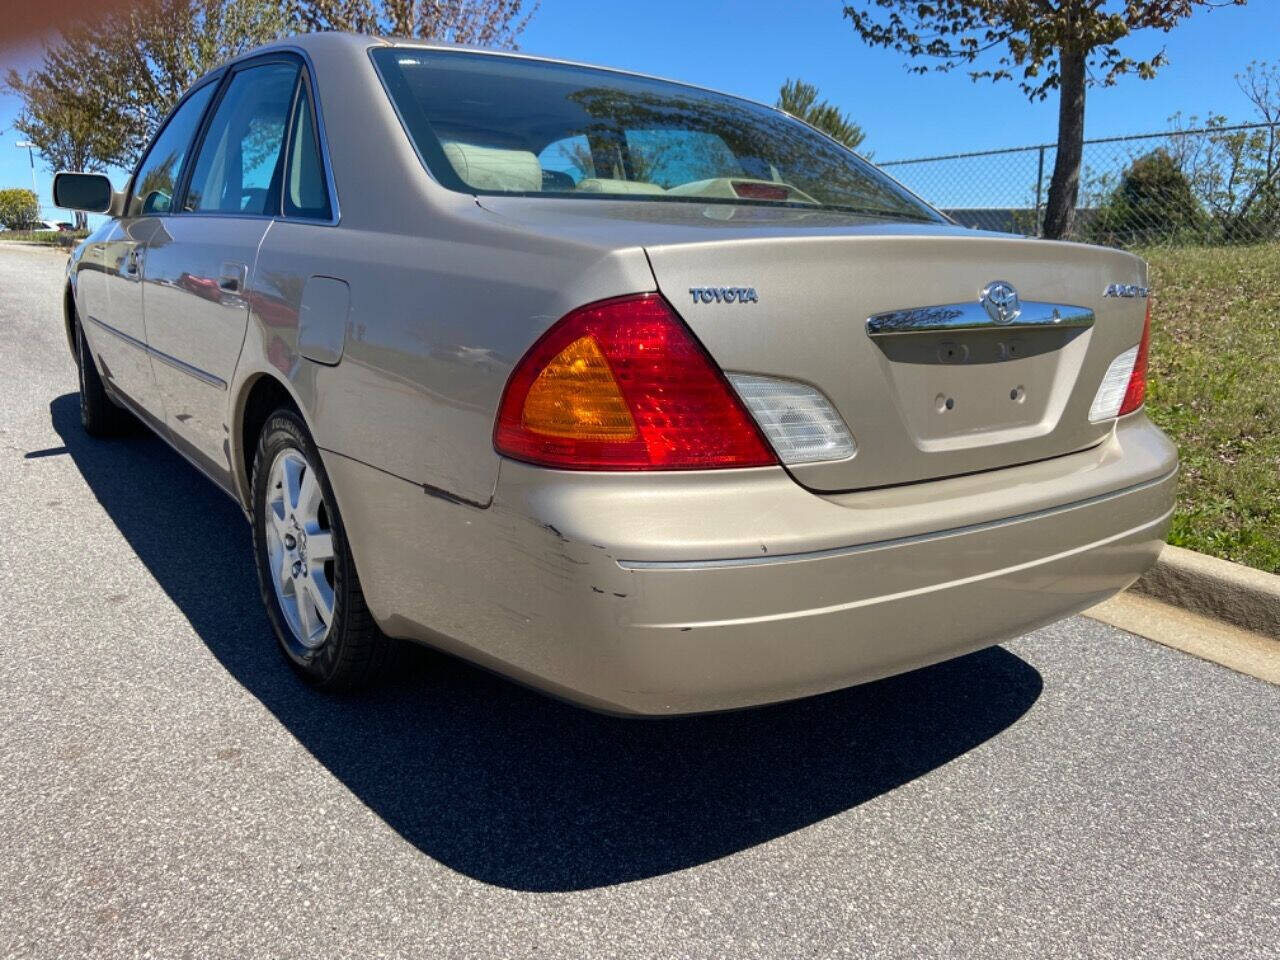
(239, 168)
(157, 175)
(499, 124)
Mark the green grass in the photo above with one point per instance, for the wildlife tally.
(1215, 388)
(46, 238)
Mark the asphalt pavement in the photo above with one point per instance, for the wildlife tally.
(169, 789)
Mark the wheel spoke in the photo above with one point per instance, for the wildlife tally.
(293, 467)
(289, 604)
(321, 594)
(309, 498)
(275, 547)
(306, 615)
(319, 545)
(284, 575)
(276, 514)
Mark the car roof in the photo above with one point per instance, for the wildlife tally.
(355, 42)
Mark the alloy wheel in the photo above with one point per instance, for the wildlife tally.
(300, 548)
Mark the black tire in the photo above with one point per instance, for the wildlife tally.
(354, 652)
(99, 414)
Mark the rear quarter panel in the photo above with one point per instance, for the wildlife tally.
(437, 321)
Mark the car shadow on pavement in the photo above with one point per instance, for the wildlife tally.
(513, 788)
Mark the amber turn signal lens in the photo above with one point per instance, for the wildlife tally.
(575, 395)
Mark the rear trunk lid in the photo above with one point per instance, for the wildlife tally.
(892, 330)
(935, 387)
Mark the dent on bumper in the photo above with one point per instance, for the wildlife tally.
(685, 593)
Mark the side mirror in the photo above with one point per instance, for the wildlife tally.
(90, 192)
(157, 201)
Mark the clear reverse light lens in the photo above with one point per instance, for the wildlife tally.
(1106, 405)
(797, 419)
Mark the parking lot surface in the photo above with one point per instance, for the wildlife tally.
(171, 790)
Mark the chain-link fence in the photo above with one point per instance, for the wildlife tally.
(1214, 185)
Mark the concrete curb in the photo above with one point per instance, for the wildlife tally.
(1234, 594)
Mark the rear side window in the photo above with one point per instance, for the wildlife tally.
(240, 165)
(305, 193)
(157, 175)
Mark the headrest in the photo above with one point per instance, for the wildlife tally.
(492, 168)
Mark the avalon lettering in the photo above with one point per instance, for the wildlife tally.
(1127, 290)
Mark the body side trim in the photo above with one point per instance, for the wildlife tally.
(120, 334)
(438, 492)
(202, 375)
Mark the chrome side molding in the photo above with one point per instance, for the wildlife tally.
(975, 316)
(202, 375)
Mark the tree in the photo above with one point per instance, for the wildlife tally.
(153, 52)
(483, 23)
(19, 208)
(104, 86)
(1235, 172)
(1044, 45)
(67, 115)
(800, 99)
(102, 89)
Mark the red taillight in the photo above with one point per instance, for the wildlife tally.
(1137, 392)
(753, 190)
(623, 385)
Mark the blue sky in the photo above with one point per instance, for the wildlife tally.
(749, 47)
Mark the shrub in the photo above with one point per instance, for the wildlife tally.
(19, 208)
(1152, 203)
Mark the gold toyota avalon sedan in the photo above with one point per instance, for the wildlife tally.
(654, 398)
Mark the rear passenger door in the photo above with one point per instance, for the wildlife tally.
(198, 272)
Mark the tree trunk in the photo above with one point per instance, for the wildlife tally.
(1064, 188)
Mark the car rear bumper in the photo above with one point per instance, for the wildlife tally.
(666, 594)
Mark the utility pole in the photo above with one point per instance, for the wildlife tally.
(31, 158)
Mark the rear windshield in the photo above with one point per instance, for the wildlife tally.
(491, 124)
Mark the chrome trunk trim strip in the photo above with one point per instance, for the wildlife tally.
(953, 317)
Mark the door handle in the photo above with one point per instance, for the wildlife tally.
(232, 278)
